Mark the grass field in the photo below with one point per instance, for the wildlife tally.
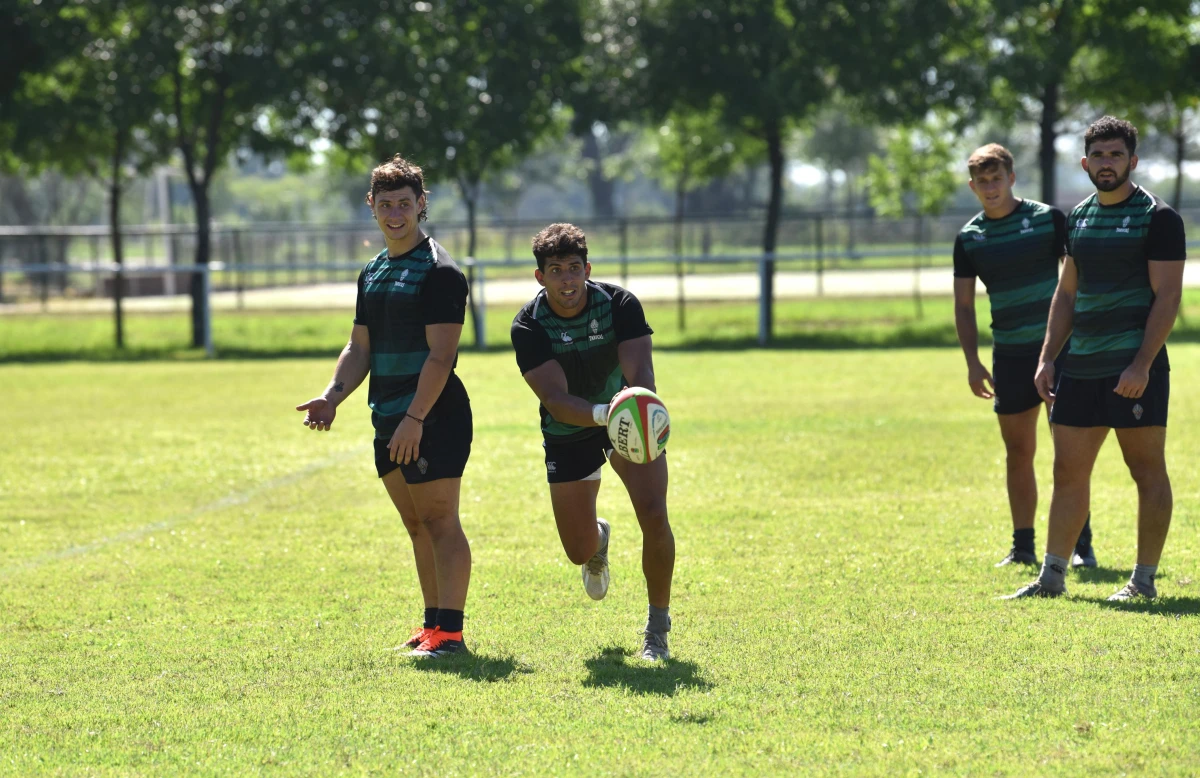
(193, 583)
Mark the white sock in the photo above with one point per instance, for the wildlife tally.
(1143, 575)
(1054, 573)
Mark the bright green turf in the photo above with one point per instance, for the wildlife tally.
(193, 583)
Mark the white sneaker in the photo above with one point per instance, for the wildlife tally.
(654, 647)
(595, 571)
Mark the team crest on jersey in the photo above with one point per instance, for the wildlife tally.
(595, 326)
(566, 338)
(1025, 226)
(1124, 225)
(1137, 411)
(979, 236)
(1081, 224)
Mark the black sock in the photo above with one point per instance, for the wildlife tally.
(1085, 536)
(430, 618)
(449, 621)
(1023, 539)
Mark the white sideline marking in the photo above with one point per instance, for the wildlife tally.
(228, 501)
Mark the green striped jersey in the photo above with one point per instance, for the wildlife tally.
(585, 345)
(1110, 245)
(397, 298)
(1016, 257)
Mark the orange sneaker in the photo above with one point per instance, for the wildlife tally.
(419, 637)
(439, 643)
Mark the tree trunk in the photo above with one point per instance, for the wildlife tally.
(200, 323)
(601, 186)
(1047, 155)
(774, 138)
(114, 226)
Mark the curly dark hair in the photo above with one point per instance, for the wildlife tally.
(1111, 128)
(398, 173)
(559, 240)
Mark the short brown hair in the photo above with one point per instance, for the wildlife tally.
(1111, 128)
(559, 240)
(398, 173)
(988, 157)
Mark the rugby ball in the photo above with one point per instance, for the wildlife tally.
(638, 425)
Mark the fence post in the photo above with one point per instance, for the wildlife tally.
(764, 300)
(820, 255)
(208, 335)
(917, 269)
(239, 265)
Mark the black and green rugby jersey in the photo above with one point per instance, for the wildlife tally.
(585, 345)
(1016, 257)
(1111, 245)
(397, 298)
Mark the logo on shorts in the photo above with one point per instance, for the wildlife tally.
(422, 465)
(1137, 411)
(551, 467)
(566, 338)
(1124, 225)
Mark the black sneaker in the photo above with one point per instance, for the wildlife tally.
(1084, 556)
(1034, 589)
(1018, 557)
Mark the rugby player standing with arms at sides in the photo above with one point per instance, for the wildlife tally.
(407, 322)
(578, 343)
(1117, 300)
(1014, 246)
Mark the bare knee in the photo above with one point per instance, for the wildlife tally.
(1068, 475)
(1020, 453)
(438, 524)
(1148, 473)
(653, 519)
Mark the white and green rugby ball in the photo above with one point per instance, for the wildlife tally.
(638, 425)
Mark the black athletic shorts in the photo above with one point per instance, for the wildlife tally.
(443, 452)
(1091, 402)
(575, 460)
(1013, 379)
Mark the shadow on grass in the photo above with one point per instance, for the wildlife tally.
(613, 668)
(851, 337)
(473, 667)
(1102, 575)
(1160, 606)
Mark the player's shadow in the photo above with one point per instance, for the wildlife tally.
(613, 666)
(1160, 606)
(473, 667)
(1099, 575)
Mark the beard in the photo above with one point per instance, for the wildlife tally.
(1109, 185)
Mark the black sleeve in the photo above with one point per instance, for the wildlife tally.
(531, 343)
(629, 320)
(963, 267)
(444, 296)
(1060, 233)
(1166, 240)
(360, 305)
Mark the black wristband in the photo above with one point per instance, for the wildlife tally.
(414, 418)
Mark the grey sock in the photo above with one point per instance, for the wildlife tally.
(1143, 575)
(1054, 573)
(659, 620)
